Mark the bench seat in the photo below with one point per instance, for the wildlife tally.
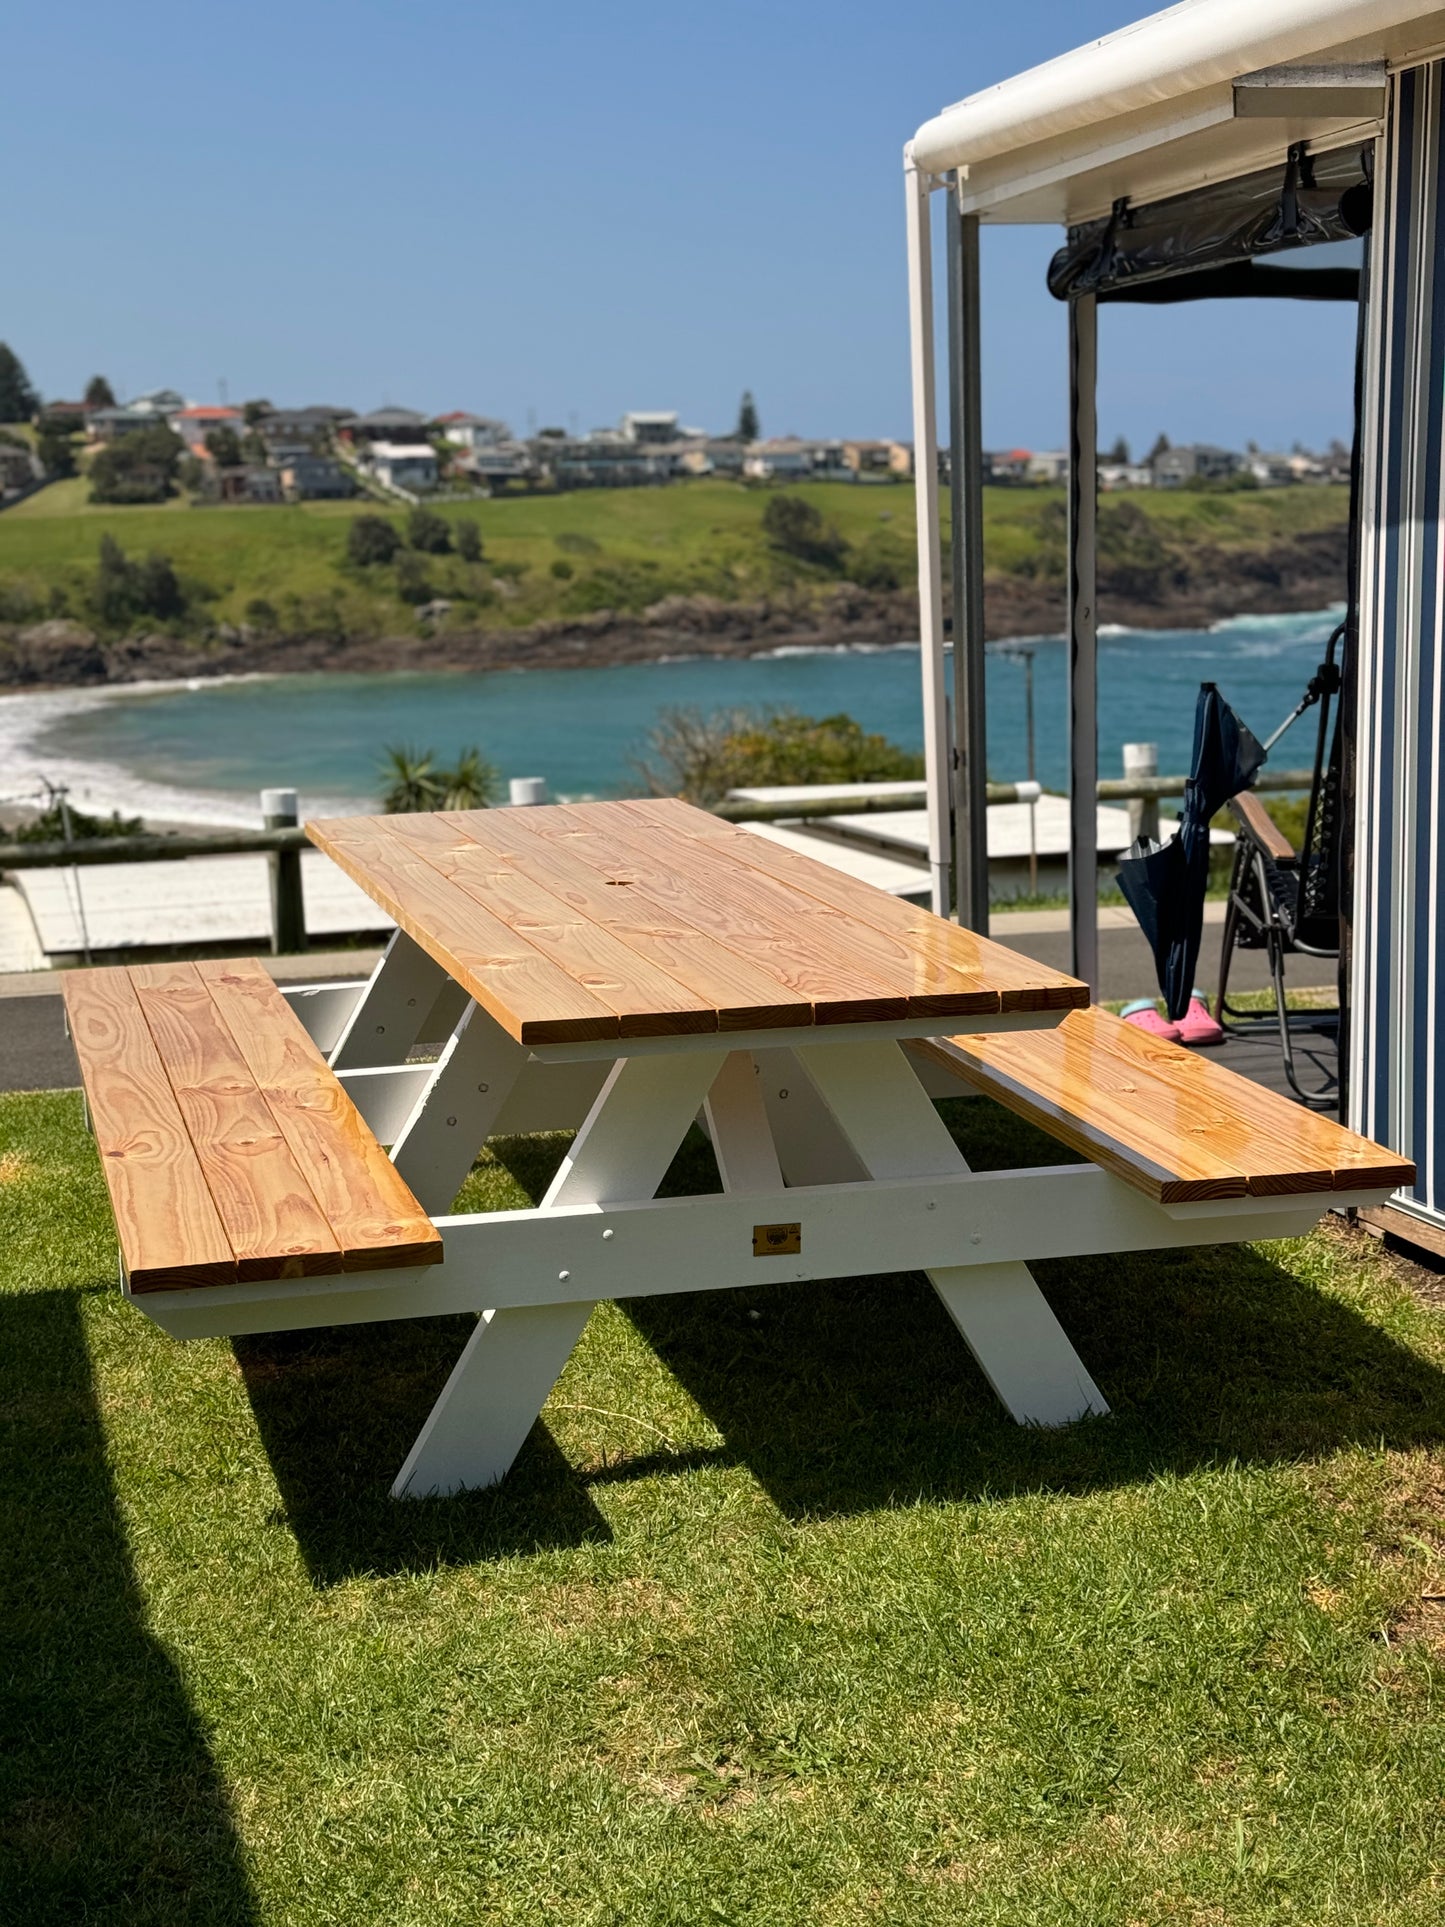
(230, 1151)
(1172, 1122)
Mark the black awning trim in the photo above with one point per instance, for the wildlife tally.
(1316, 198)
(1241, 281)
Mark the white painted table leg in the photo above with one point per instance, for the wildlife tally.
(453, 1117)
(489, 1404)
(511, 1361)
(737, 1123)
(404, 989)
(878, 1104)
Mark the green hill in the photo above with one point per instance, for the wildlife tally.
(550, 557)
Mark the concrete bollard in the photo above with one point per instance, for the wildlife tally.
(526, 790)
(279, 811)
(1142, 759)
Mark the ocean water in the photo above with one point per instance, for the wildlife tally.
(201, 751)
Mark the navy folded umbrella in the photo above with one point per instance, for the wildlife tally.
(1164, 883)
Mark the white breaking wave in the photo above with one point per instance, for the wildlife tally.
(32, 753)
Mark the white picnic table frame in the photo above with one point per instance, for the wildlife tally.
(833, 1160)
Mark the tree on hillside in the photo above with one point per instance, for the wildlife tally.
(223, 445)
(139, 467)
(371, 538)
(1119, 452)
(1161, 446)
(469, 541)
(99, 393)
(125, 589)
(747, 429)
(796, 527)
(429, 532)
(56, 450)
(255, 411)
(18, 400)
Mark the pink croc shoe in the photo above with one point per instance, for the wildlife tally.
(1143, 1016)
(1196, 1027)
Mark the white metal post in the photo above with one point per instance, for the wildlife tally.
(1083, 643)
(930, 546)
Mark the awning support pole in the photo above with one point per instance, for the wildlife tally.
(965, 417)
(930, 547)
(1083, 643)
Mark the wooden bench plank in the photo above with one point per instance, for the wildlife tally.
(1177, 1125)
(1019, 982)
(371, 1212)
(744, 996)
(647, 1000)
(276, 1227)
(169, 1230)
(530, 997)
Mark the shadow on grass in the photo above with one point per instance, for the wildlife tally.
(855, 1394)
(111, 1807)
(338, 1409)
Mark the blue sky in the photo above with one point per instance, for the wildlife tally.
(557, 213)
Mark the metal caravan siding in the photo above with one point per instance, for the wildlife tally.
(1397, 1058)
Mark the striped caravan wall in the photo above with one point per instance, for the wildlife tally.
(1397, 1051)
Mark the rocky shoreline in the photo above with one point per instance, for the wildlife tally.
(1308, 572)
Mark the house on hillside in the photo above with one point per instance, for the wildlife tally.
(109, 424)
(288, 432)
(19, 471)
(1118, 475)
(1007, 467)
(402, 427)
(309, 477)
(712, 455)
(1049, 466)
(790, 458)
(247, 482)
(472, 431)
(404, 465)
(195, 423)
(158, 402)
(653, 427)
(1194, 462)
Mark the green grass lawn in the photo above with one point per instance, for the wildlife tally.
(778, 1619)
(567, 555)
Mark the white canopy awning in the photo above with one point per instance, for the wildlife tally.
(1150, 110)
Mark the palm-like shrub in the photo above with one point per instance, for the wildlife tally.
(414, 780)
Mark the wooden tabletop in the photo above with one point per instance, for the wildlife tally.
(652, 918)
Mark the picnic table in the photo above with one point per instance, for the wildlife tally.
(623, 970)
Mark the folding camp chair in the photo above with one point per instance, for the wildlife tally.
(1287, 902)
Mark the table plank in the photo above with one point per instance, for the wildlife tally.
(170, 1232)
(648, 1002)
(1020, 983)
(530, 997)
(376, 1221)
(785, 933)
(744, 996)
(916, 972)
(270, 1215)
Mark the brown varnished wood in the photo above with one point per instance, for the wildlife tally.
(789, 935)
(746, 997)
(167, 1225)
(375, 1220)
(670, 921)
(531, 997)
(1168, 1120)
(646, 999)
(275, 1226)
(1018, 982)
(1250, 810)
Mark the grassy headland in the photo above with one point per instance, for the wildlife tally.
(614, 573)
